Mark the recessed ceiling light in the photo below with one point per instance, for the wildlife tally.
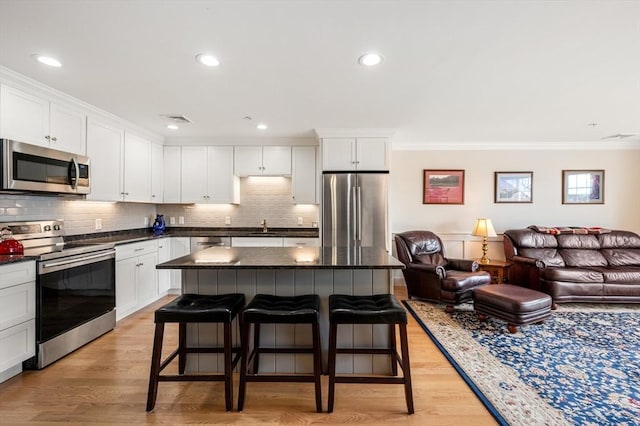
(207, 60)
(172, 127)
(370, 59)
(47, 60)
(261, 126)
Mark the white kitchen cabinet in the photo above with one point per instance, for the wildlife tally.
(262, 160)
(136, 278)
(355, 154)
(256, 241)
(207, 175)
(303, 175)
(180, 246)
(137, 169)
(17, 317)
(104, 148)
(300, 242)
(25, 117)
(172, 171)
(157, 173)
(164, 275)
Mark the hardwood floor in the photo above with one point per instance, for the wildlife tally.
(105, 382)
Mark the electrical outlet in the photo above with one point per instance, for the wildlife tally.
(146, 221)
(299, 221)
(172, 220)
(227, 220)
(98, 224)
(181, 220)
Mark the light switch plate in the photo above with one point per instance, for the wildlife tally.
(98, 224)
(172, 220)
(227, 220)
(181, 220)
(299, 221)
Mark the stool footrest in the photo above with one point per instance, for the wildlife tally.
(279, 378)
(369, 379)
(365, 351)
(283, 351)
(192, 378)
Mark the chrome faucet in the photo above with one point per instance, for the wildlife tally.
(264, 225)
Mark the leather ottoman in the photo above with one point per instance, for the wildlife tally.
(514, 304)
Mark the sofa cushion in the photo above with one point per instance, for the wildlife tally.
(549, 256)
(528, 238)
(431, 259)
(582, 257)
(621, 257)
(575, 275)
(619, 239)
(628, 274)
(588, 242)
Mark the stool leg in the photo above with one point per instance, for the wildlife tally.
(155, 366)
(406, 367)
(394, 349)
(244, 342)
(317, 365)
(182, 344)
(256, 347)
(228, 377)
(333, 331)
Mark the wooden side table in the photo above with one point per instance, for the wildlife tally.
(498, 269)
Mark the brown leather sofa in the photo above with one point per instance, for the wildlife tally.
(430, 275)
(575, 265)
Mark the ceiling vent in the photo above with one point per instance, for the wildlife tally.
(177, 118)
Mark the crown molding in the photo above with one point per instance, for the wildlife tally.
(236, 141)
(515, 145)
(336, 132)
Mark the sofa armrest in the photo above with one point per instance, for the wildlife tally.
(426, 268)
(462, 265)
(529, 261)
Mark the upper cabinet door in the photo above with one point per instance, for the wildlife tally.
(194, 174)
(137, 169)
(247, 161)
(276, 160)
(223, 186)
(338, 154)
(171, 189)
(372, 154)
(67, 129)
(157, 173)
(23, 117)
(303, 175)
(104, 149)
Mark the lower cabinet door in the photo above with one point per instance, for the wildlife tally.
(17, 344)
(126, 294)
(146, 279)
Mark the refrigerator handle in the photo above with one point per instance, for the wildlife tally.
(354, 213)
(359, 223)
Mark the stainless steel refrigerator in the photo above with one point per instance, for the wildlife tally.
(354, 209)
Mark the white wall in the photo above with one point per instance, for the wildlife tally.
(621, 209)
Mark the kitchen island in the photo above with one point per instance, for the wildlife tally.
(287, 272)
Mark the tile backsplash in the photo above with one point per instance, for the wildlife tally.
(261, 198)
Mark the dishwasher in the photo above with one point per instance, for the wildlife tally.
(201, 243)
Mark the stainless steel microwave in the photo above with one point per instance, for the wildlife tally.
(31, 168)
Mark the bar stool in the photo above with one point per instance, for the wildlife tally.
(195, 308)
(268, 309)
(376, 309)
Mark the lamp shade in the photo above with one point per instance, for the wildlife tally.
(484, 228)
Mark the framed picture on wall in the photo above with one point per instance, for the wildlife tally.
(513, 187)
(583, 187)
(443, 187)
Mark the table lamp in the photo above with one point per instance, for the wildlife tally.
(484, 229)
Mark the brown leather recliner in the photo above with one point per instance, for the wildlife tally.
(430, 275)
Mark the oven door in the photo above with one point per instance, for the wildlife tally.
(73, 290)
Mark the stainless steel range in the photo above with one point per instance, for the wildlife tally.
(75, 289)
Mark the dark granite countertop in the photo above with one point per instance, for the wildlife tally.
(5, 259)
(145, 234)
(285, 258)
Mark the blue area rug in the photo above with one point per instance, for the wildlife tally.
(580, 367)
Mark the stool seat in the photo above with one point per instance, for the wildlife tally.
(376, 309)
(201, 308)
(266, 308)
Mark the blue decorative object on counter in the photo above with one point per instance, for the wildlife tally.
(158, 225)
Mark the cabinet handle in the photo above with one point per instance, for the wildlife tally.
(54, 139)
(153, 195)
(138, 249)
(47, 137)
